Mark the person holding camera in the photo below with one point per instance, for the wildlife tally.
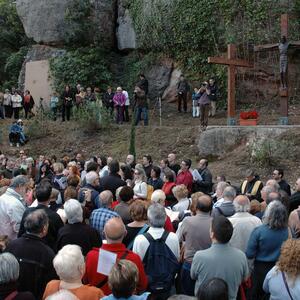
(204, 103)
(182, 91)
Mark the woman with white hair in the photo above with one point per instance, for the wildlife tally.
(75, 232)
(70, 267)
(9, 274)
(264, 244)
(140, 183)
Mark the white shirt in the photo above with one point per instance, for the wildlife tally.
(16, 101)
(103, 172)
(140, 189)
(12, 209)
(218, 203)
(182, 205)
(127, 103)
(243, 224)
(141, 244)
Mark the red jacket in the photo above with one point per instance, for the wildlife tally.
(93, 278)
(185, 178)
(168, 225)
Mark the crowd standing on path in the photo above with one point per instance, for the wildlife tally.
(98, 228)
(15, 104)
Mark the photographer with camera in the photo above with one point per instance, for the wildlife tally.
(204, 103)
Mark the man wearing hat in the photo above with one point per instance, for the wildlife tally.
(252, 186)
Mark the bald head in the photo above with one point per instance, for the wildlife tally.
(241, 203)
(106, 198)
(204, 204)
(114, 230)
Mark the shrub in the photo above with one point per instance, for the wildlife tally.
(92, 116)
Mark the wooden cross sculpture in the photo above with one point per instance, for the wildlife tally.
(283, 48)
(232, 62)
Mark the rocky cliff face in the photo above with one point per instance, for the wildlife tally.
(45, 21)
(117, 26)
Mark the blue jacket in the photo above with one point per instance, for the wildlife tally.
(15, 128)
(264, 243)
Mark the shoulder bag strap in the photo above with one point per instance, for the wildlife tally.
(11, 296)
(286, 285)
(149, 237)
(141, 231)
(165, 236)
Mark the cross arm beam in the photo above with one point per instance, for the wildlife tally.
(230, 62)
(295, 44)
(266, 47)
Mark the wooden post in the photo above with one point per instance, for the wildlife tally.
(232, 62)
(231, 86)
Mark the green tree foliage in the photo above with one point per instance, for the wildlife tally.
(79, 18)
(13, 40)
(87, 66)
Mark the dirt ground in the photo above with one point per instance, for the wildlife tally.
(179, 133)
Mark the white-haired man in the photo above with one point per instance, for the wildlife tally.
(75, 232)
(157, 238)
(226, 208)
(243, 223)
(12, 207)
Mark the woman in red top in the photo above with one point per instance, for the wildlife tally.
(167, 188)
(28, 103)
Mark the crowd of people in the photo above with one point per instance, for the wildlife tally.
(204, 99)
(13, 103)
(91, 228)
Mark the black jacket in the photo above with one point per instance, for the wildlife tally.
(35, 259)
(204, 186)
(285, 186)
(78, 234)
(144, 85)
(55, 223)
(294, 201)
(108, 99)
(111, 183)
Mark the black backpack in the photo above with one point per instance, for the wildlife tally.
(160, 264)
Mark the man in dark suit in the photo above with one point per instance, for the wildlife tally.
(43, 193)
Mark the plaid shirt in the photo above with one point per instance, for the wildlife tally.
(99, 217)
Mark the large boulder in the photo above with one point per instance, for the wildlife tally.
(219, 140)
(170, 93)
(45, 21)
(159, 76)
(125, 31)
